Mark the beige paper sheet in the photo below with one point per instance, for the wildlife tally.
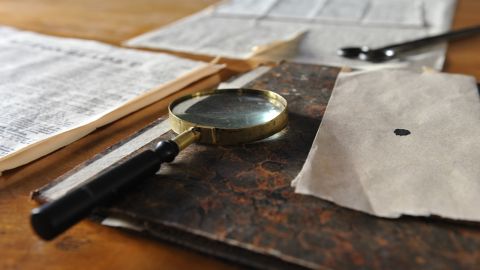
(359, 161)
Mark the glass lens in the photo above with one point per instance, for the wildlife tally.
(228, 109)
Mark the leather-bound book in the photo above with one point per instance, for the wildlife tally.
(237, 203)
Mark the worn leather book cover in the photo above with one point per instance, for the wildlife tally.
(236, 202)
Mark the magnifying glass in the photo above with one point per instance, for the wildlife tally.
(223, 117)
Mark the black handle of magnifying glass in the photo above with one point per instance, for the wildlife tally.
(53, 218)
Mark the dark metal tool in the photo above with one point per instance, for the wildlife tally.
(390, 52)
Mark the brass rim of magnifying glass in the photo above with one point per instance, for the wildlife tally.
(228, 136)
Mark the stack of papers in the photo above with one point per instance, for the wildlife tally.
(57, 90)
(235, 28)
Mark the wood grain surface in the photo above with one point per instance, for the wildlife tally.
(464, 56)
(89, 245)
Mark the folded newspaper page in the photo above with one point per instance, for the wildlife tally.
(56, 90)
(206, 34)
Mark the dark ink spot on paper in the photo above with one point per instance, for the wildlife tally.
(401, 132)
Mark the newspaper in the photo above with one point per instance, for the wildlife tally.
(407, 144)
(219, 36)
(233, 28)
(51, 87)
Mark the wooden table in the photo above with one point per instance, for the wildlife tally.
(89, 245)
